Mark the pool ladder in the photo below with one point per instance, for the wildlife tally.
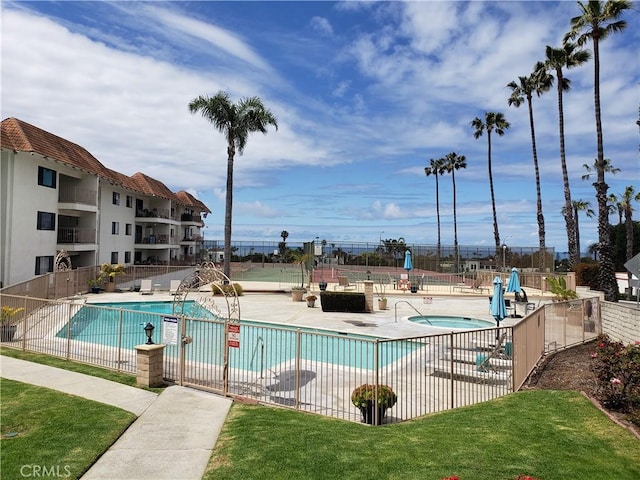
(260, 344)
(395, 308)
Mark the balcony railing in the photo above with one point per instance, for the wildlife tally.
(155, 213)
(76, 235)
(70, 194)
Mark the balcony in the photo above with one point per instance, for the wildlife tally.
(76, 198)
(73, 235)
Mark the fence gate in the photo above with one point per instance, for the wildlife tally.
(201, 357)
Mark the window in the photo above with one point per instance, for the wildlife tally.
(129, 201)
(115, 229)
(46, 177)
(127, 257)
(46, 221)
(116, 198)
(44, 265)
(128, 228)
(114, 258)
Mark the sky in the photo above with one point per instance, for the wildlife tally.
(365, 95)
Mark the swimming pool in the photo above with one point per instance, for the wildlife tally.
(262, 345)
(445, 321)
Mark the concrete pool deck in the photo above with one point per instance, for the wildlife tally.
(268, 302)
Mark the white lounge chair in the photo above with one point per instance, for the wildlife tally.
(145, 287)
(173, 288)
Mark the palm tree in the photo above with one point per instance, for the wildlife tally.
(581, 206)
(283, 245)
(612, 201)
(454, 162)
(615, 206)
(557, 59)
(598, 20)
(539, 82)
(626, 200)
(436, 168)
(235, 121)
(493, 121)
(593, 169)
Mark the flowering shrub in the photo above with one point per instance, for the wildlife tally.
(617, 371)
(366, 394)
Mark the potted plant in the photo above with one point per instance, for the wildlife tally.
(311, 300)
(367, 397)
(8, 324)
(382, 300)
(382, 303)
(94, 284)
(297, 293)
(109, 272)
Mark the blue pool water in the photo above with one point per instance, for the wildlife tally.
(442, 321)
(262, 345)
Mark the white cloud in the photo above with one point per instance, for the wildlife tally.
(322, 25)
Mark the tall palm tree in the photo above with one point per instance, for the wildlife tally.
(454, 162)
(598, 20)
(494, 121)
(235, 121)
(556, 59)
(581, 206)
(626, 199)
(538, 82)
(436, 168)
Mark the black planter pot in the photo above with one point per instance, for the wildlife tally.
(95, 289)
(369, 414)
(7, 332)
(414, 289)
(323, 286)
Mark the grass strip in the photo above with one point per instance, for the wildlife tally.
(545, 434)
(53, 434)
(119, 377)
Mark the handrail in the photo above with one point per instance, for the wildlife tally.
(395, 308)
(259, 341)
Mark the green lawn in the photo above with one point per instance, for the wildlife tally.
(52, 434)
(546, 434)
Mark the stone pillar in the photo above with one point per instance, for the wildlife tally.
(149, 369)
(368, 295)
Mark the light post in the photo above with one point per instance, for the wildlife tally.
(504, 256)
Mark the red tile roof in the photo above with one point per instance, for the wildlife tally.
(21, 136)
(190, 201)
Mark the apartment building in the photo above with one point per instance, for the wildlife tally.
(55, 195)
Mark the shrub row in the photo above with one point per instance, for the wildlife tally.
(353, 302)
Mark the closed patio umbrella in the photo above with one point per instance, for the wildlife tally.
(514, 286)
(514, 281)
(498, 308)
(408, 264)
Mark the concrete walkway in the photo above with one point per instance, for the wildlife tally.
(172, 438)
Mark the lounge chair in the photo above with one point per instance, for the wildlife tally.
(145, 287)
(500, 351)
(343, 282)
(173, 288)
